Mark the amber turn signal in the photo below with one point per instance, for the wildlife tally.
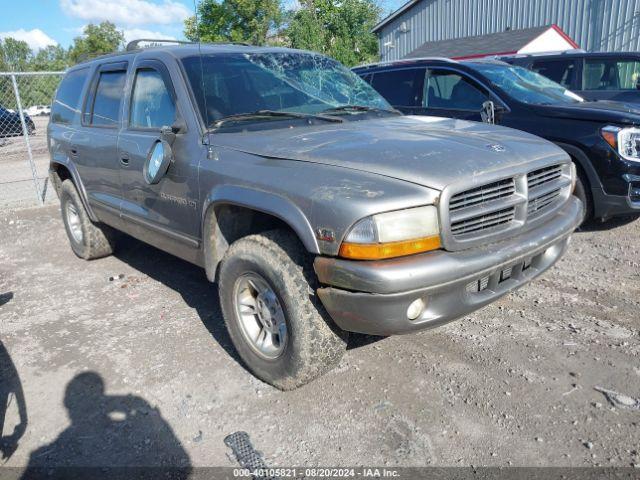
(379, 251)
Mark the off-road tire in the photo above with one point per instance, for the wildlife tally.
(97, 239)
(314, 344)
(582, 192)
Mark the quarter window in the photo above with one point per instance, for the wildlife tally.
(108, 98)
(66, 106)
(611, 74)
(151, 103)
(451, 91)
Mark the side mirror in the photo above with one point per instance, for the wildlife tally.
(168, 133)
(157, 164)
(488, 112)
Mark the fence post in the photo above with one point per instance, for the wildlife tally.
(25, 132)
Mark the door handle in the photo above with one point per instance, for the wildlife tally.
(124, 159)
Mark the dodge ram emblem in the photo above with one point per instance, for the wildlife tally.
(496, 147)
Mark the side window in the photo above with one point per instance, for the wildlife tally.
(560, 71)
(151, 103)
(401, 88)
(611, 74)
(105, 110)
(449, 90)
(66, 106)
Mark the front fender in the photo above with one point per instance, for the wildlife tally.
(247, 197)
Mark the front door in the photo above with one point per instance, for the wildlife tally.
(447, 93)
(167, 209)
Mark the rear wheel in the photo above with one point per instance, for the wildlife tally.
(88, 240)
(275, 320)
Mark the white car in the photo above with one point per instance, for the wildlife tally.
(38, 110)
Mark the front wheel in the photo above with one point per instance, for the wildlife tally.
(584, 196)
(275, 320)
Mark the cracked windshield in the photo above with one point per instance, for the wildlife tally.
(234, 84)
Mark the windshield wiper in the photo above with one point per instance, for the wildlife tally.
(241, 117)
(360, 108)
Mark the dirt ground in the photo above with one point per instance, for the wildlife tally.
(513, 384)
(16, 180)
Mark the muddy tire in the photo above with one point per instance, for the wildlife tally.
(275, 320)
(582, 192)
(88, 240)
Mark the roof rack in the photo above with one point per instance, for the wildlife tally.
(406, 60)
(573, 51)
(135, 44)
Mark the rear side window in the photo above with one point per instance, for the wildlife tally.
(66, 106)
(560, 71)
(611, 74)
(108, 98)
(401, 88)
(151, 103)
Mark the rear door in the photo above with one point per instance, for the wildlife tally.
(565, 71)
(451, 93)
(94, 148)
(611, 78)
(169, 207)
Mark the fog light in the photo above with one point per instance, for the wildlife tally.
(415, 309)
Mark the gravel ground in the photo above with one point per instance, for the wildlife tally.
(513, 384)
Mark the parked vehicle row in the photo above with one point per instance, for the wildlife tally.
(593, 76)
(317, 207)
(11, 125)
(602, 138)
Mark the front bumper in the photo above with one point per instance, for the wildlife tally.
(373, 296)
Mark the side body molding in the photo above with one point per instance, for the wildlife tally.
(77, 182)
(214, 244)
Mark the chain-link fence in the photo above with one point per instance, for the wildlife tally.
(25, 105)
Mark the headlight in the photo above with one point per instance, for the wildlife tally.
(393, 234)
(626, 141)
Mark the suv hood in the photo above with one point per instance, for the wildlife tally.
(600, 111)
(429, 151)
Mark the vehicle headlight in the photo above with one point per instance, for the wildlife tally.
(626, 141)
(393, 234)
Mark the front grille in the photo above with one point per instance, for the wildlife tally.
(490, 210)
(482, 194)
(543, 188)
(544, 175)
(483, 222)
(540, 203)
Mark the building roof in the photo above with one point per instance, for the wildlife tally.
(502, 43)
(395, 14)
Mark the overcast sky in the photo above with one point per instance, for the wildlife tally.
(45, 22)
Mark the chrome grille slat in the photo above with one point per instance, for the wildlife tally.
(482, 194)
(544, 175)
(484, 222)
(542, 201)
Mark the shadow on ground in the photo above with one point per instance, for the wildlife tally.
(114, 436)
(13, 408)
(190, 282)
(599, 226)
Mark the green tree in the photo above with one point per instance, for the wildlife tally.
(338, 28)
(14, 54)
(52, 57)
(97, 40)
(248, 21)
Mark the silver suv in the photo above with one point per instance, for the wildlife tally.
(316, 207)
